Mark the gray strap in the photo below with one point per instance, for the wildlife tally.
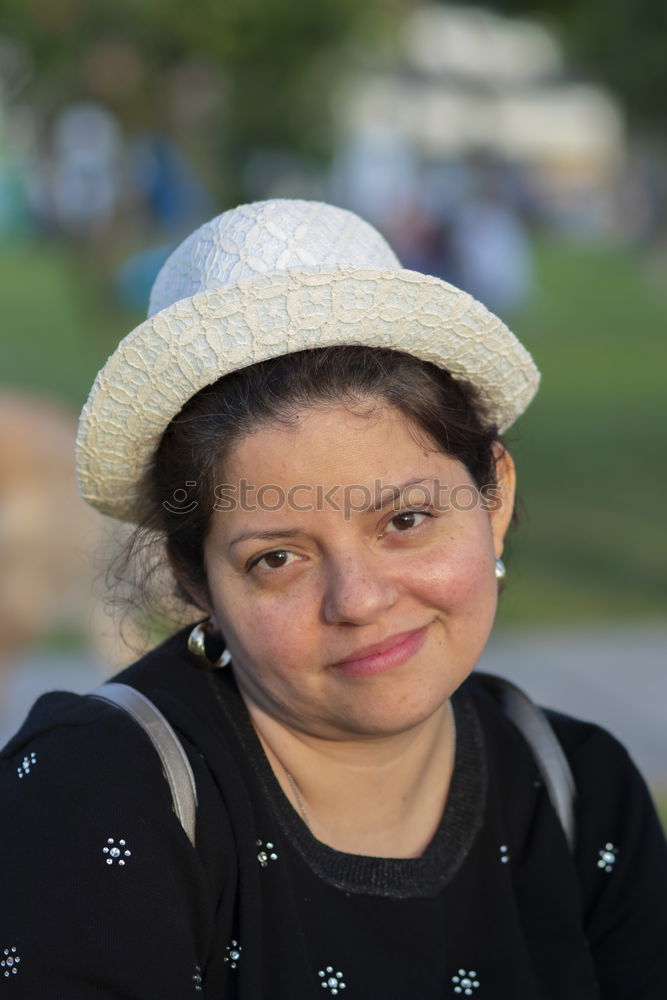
(175, 764)
(551, 760)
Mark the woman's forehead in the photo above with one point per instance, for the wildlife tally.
(333, 443)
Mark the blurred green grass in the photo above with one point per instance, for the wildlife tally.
(60, 321)
(590, 452)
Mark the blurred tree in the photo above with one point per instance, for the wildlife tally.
(275, 60)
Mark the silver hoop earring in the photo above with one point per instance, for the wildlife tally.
(501, 572)
(197, 646)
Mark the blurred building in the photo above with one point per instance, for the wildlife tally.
(463, 82)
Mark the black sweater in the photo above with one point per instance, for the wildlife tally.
(102, 895)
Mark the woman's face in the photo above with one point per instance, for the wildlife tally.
(346, 622)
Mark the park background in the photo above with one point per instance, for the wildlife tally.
(535, 130)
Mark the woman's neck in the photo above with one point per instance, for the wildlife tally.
(377, 797)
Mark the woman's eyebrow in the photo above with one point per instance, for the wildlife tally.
(268, 535)
(388, 495)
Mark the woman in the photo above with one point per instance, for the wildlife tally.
(315, 434)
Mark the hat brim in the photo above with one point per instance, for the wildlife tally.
(168, 358)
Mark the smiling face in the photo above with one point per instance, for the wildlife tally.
(352, 623)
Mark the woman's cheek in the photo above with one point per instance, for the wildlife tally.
(274, 629)
(459, 577)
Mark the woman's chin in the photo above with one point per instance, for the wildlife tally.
(385, 716)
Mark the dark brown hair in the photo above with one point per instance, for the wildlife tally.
(194, 446)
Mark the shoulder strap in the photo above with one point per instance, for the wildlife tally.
(175, 764)
(538, 733)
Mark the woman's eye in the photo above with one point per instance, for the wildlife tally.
(272, 560)
(408, 519)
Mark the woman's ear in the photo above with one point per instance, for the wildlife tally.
(501, 512)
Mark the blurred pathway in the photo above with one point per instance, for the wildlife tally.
(616, 677)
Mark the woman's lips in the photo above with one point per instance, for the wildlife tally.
(383, 656)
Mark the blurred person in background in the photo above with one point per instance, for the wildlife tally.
(76, 186)
(489, 249)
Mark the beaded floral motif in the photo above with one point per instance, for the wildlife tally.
(233, 953)
(504, 853)
(331, 981)
(26, 764)
(197, 979)
(266, 853)
(607, 857)
(465, 982)
(116, 852)
(10, 962)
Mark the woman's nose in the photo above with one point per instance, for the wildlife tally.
(358, 590)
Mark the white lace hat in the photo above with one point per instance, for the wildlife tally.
(268, 279)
